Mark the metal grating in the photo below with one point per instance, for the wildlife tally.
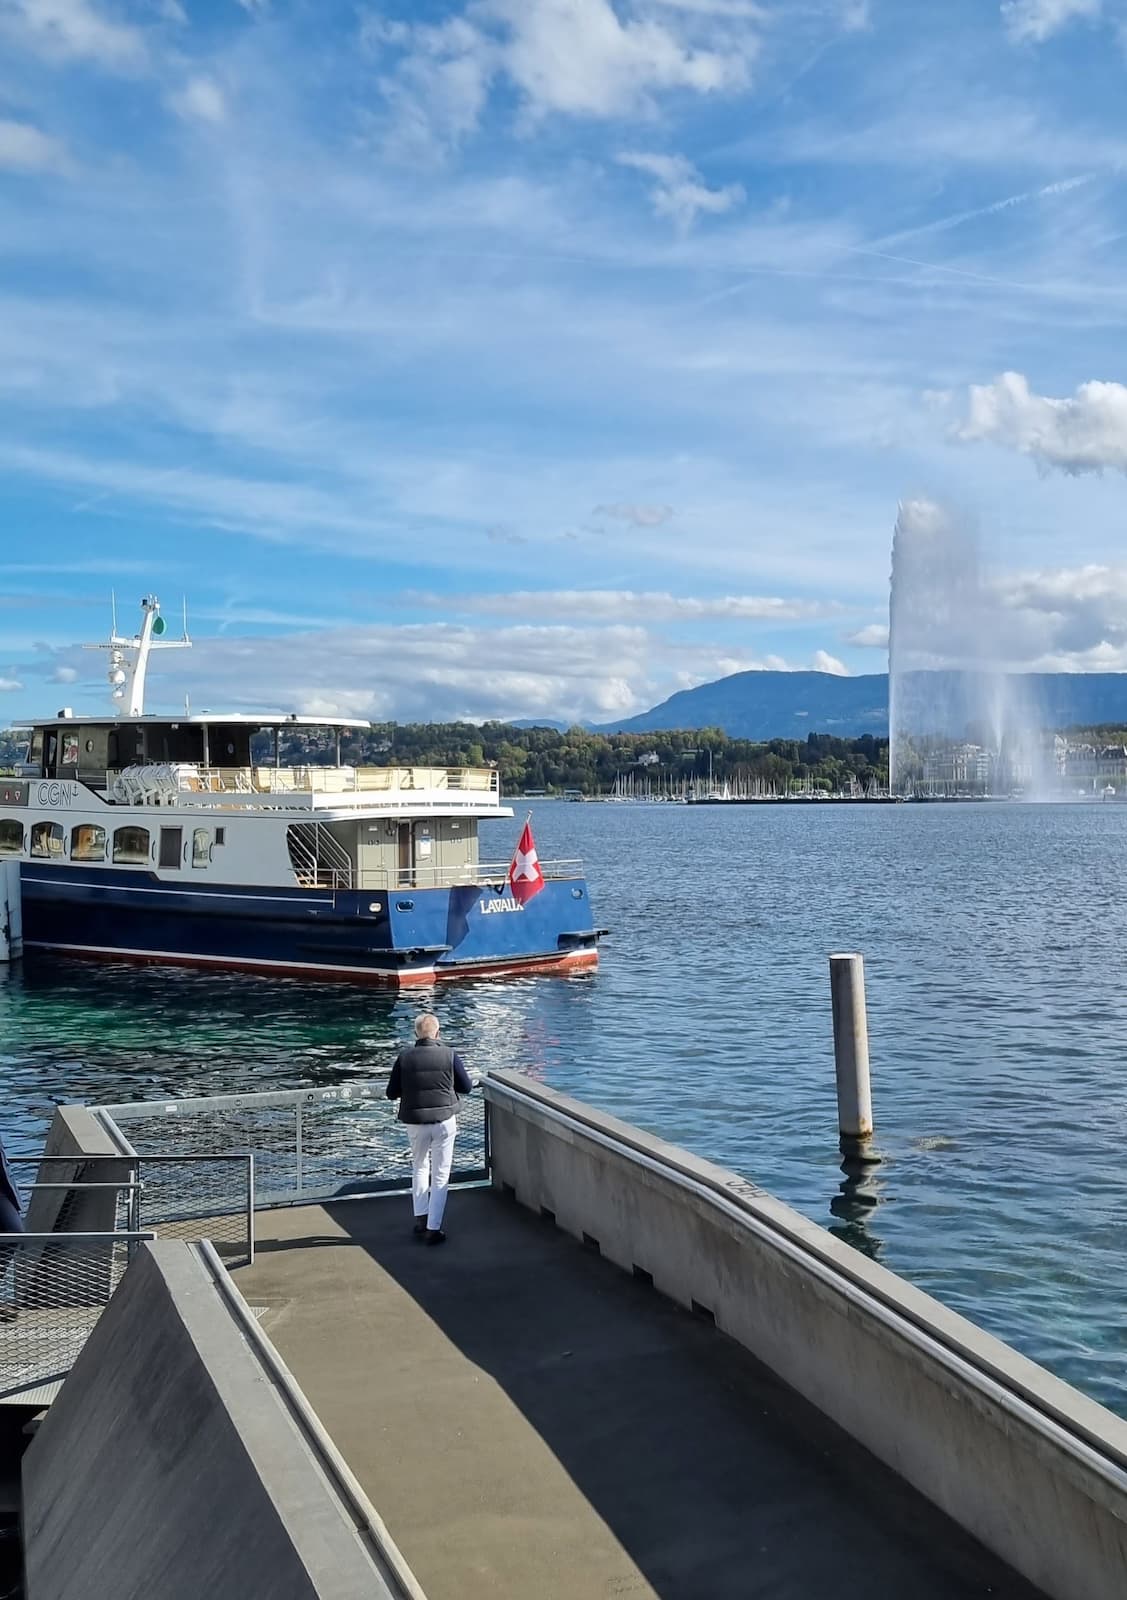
(53, 1289)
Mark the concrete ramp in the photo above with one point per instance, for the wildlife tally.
(174, 1463)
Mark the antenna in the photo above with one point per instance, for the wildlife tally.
(113, 613)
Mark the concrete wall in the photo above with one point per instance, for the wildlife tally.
(75, 1131)
(1029, 1466)
(171, 1465)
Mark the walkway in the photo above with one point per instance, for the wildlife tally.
(532, 1424)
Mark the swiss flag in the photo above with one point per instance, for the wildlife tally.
(525, 877)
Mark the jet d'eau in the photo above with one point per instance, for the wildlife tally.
(962, 719)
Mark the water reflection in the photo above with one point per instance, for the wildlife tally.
(859, 1194)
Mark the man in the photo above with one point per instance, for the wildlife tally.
(427, 1080)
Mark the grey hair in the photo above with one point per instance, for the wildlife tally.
(426, 1026)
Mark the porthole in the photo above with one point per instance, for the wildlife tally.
(577, 894)
(404, 905)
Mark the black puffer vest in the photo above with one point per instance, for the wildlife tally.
(426, 1083)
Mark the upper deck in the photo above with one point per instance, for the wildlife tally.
(236, 763)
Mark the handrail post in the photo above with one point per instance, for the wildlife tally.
(299, 1152)
(250, 1208)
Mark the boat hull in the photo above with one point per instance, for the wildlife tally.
(407, 938)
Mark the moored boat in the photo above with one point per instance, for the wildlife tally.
(177, 839)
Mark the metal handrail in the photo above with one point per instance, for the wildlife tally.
(135, 1188)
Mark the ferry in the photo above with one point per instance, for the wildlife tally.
(186, 840)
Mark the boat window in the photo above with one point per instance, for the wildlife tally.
(88, 842)
(11, 837)
(131, 846)
(221, 835)
(171, 846)
(201, 847)
(47, 839)
(70, 749)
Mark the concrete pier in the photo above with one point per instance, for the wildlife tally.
(629, 1372)
(531, 1421)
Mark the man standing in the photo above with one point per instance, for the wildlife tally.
(427, 1080)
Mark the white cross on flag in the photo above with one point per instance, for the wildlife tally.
(525, 877)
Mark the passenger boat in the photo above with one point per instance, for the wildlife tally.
(171, 839)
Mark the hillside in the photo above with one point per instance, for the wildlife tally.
(789, 705)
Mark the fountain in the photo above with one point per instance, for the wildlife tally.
(960, 724)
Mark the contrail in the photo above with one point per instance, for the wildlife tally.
(941, 224)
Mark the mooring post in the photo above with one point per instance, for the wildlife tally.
(851, 1051)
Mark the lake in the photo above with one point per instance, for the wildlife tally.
(994, 938)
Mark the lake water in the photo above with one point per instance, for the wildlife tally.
(994, 938)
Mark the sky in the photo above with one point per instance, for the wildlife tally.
(539, 358)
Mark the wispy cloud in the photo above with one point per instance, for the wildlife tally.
(626, 605)
(27, 149)
(1034, 21)
(641, 515)
(679, 192)
(200, 99)
(74, 30)
(567, 58)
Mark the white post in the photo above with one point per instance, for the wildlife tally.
(11, 912)
(851, 1047)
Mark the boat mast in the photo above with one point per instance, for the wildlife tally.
(129, 657)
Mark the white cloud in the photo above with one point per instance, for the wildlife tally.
(824, 662)
(1034, 21)
(428, 671)
(201, 99)
(65, 675)
(749, 10)
(74, 30)
(679, 192)
(874, 636)
(642, 516)
(577, 58)
(26, 149)
(626, 605)
(9, 685)
(1083, 434)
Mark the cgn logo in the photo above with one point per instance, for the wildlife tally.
(57, 794)
(499, 903)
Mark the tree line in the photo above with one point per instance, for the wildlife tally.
(577, 759)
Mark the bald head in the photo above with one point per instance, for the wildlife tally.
(426, 1026)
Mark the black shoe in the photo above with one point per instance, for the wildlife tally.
(435, 1236)
(420, 1225)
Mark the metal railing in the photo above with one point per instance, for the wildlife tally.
(162, 783)
(53, 1289)
(307, 1144)
(193, 1196)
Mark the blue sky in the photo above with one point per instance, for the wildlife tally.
(541, 357)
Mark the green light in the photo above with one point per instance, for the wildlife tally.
(158, 626)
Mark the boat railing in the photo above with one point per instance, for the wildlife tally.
(165, 783)
(317, 874)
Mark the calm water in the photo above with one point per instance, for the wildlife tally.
(994, 939)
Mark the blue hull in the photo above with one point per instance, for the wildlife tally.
(413, 936)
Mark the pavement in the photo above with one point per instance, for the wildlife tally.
(533, 1424)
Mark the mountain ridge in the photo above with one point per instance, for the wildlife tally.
(782, 705)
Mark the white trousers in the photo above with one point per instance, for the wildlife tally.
(432, 1155)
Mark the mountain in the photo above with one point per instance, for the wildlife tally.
(787, 705)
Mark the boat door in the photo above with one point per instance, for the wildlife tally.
(171, 855)
(406, 854)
